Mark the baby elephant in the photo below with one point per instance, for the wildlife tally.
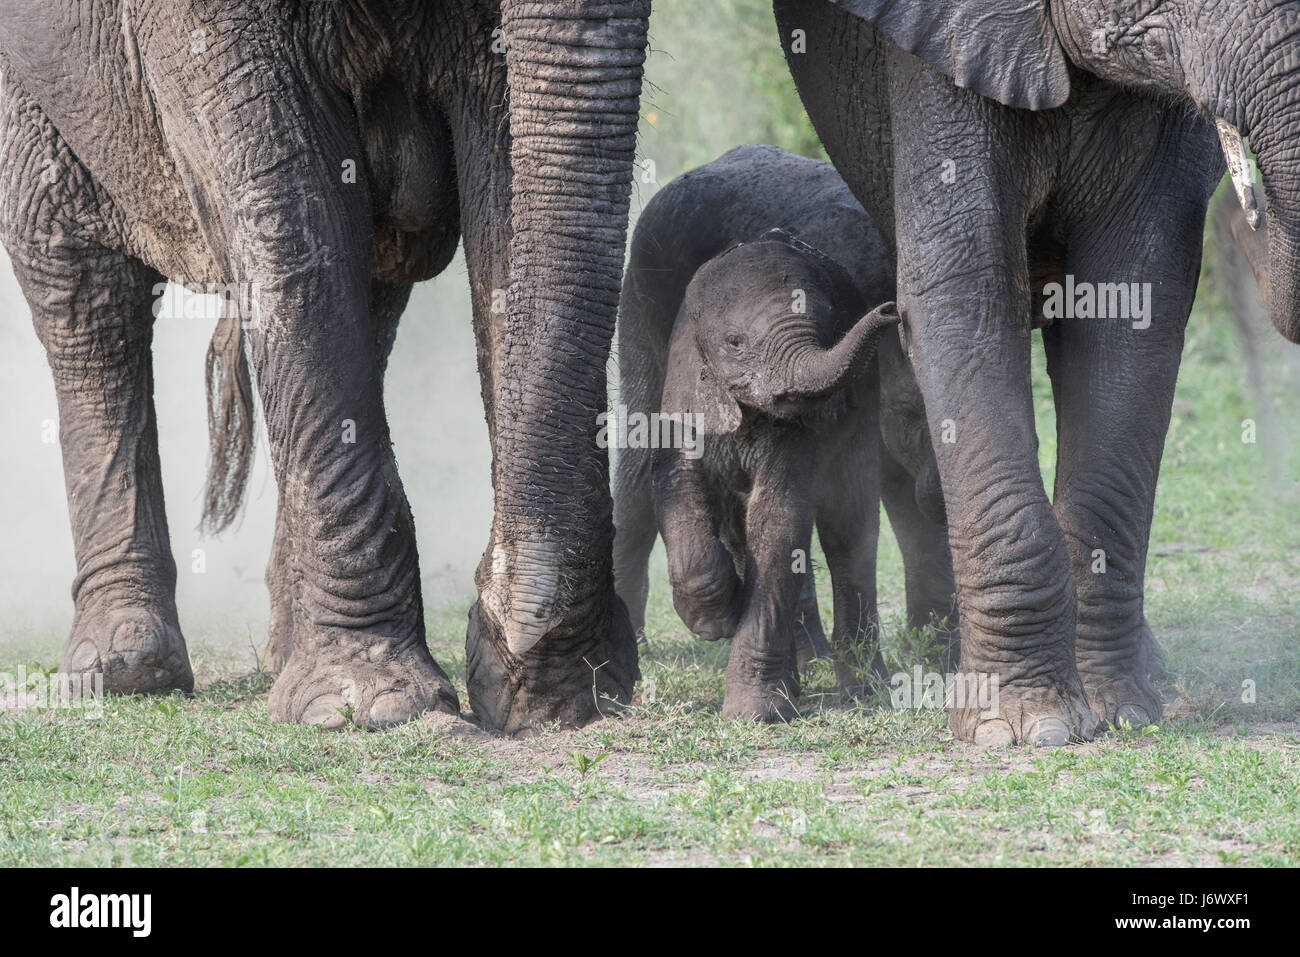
(767, 344)
(766, 364)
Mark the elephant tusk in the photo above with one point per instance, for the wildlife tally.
(1241, 169)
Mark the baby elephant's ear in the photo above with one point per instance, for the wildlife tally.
(1006, 50)
(720, 412)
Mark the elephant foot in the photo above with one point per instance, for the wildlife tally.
(136, 649)
(759, 690)
(1120, 686)
(860, 668)
(372, 683)
(993, 713)
(810, 644)
(1117, 700)
(578, 672)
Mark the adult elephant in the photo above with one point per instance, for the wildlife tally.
(324, 157)
(1002, 147)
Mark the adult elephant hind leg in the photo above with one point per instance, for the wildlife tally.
(1114, 380)
(969, 330)
(322, 681)
(300, 238)
(92, 311)
(97, 328)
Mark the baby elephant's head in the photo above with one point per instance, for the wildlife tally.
(780, 329)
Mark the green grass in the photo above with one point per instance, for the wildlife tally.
(209, 780)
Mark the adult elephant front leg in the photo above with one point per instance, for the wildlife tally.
(1114, 379)
(964, 292)
(549, 639)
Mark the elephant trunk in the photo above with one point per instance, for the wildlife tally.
(1263, 102)
(823, 371)
(574, 69)
(1283, 287)
(1275, 138)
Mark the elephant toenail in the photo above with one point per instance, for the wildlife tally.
(1049, 733)
(326, 710)
(994, 734)
(84, 659)
(390, 708)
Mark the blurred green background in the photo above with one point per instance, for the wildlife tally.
(716, 78)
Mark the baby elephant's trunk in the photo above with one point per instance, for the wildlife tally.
(827, 370)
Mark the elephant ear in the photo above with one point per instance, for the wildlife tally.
(690, 384)
(719, 411)
(1006, 50)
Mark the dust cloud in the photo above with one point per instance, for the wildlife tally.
(438, 432)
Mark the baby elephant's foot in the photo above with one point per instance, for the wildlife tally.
(138, 650)
(810, 645)
(760, 690)
(370, 681)
(859, 668)
(989, 712)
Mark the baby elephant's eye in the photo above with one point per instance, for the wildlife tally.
(736, 341)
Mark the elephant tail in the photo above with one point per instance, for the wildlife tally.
(231, 419)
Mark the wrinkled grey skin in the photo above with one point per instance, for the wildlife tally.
(736, 198)
(999, 146)
(781, 413)
(212, 141)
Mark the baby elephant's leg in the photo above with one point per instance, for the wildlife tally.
(809, 636)
(848, 523)
(762, 683)
(927, 562)
(706, 588)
